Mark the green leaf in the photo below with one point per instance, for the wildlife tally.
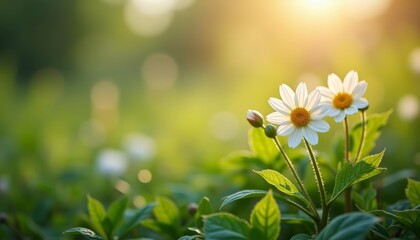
(87, 233)
(352, 174)
(266, 217)
(116, 212)
(241, 195)
(375, 122)
(279, 181)
(221, 226)
(365, 201)
(193, 237)
(166, 211)
(134, 219)
(204, 208)
(97, 214)
(410, 219)
(413, 192)
(262, 146)
(301, 236)
(350, 226)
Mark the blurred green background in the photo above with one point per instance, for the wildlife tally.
(143, 97)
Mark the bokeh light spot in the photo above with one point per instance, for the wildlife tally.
(144, 176)
(111, 162)
(105, 96)
(414, 60)
(408, 107)
(139, 201)
(122, 186)
(159, 71)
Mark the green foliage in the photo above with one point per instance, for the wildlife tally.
(351, 226)
(97, 215)
(220, 226)
(241, 195)
(351, 174)
(204, 208)
(262, 146)
(279, 181)
(366, 200)
(409, 219)
(265, 218)
(134, 219)
(413, 192)
(374, 125)
(87, 233)
(301, 236)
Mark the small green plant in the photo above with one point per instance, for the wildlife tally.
(351, 168)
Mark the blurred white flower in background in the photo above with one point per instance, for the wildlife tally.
(111, 162)
(408, 107)
(139, 146)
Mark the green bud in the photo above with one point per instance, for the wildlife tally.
(255, 118)
(270, 131)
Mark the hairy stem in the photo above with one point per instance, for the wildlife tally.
(346, 141)
(297, 178)
(363, 137)
(321, 187)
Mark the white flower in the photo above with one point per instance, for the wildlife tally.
(344, 98)
(298, 115)
(111, 162)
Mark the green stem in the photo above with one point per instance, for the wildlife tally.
(347, 192)
(346, 140)
(297, 178)
(321, 187)
(363, 137)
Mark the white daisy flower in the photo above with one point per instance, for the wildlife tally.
(298, 115)
(344, 98)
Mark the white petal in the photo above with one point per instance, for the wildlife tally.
(301, 95)
(350, 81)
(340, 117)
(351, 110)
(310, 135)
(333, 112)
(319, 125)
(334, 83)
(286, 130)
(319, 111)
(279, 106)
(326, 92)
(360, 103)
(295, 138)
(287, 95)
(278, 118)
(359, 90)
(313, 99)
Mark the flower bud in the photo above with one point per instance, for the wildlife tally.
(270, 131)
(192, 208)
(255, 118)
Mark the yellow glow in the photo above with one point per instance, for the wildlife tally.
(144, 176)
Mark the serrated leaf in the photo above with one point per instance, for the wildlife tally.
(204, 208)
(166, 211)
(89, 234)
(413, 192)
(266, 217)
(97, 214)
(262, 146)
(279, 181)
(221, 226)
(350, 226)
(352, 174)
(374, 124)
(133, 220)
(241, 195)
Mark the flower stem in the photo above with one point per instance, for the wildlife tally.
(346, 140)
(321, 187)
(363, 137)
(297, 178)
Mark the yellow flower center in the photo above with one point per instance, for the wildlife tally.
(342, 101)
(300, 117)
